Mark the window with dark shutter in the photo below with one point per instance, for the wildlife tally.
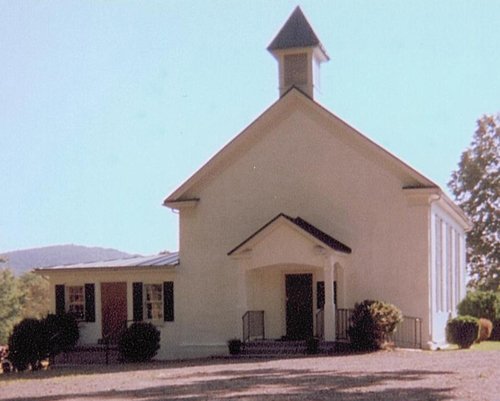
(89, 302)
(137, 301)
(320, 294)
(60, 300)
(168, 301)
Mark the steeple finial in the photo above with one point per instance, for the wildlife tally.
(298, 50)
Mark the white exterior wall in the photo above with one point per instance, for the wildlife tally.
(448, 271)
(91, 332)
(298, 167)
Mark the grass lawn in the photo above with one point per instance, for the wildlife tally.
(483, 346)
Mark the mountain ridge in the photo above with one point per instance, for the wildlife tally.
(24, 260)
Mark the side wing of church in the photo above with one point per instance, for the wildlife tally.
(299, 217)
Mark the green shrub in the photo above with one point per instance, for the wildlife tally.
(28, 345)
(234, 346)
(463, 331)
(139, 343)
(481, 304)
(371, 324)
(485, 329)
(62, 331)
(495, 334)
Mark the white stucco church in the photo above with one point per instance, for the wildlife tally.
(298, 217)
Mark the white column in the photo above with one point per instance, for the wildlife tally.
(329, 275)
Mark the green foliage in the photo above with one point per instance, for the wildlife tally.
(28, 344)
(21, 297)
(485, 329)
(371, 324)
(34, 295)
(476, 187)
(33, 340)
(463, 331)
(480, 304)
(139, 343)
(62, 332)
(10, 303)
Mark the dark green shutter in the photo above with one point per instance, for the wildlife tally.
(60, 298)
(168, 301)
(137, 301)
(89, 302)
(320, 294)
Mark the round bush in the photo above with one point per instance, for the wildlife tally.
(62, 331)
(485, 329)
(462, 330)
(139, 343)
(371, 323)
(28, 345)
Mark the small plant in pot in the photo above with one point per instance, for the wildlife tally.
(234, 346)
(312, 344)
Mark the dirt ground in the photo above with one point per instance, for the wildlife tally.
(385, 376)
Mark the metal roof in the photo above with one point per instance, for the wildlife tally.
(163, 259)
(297, 32)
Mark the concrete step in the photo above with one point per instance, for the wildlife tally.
(278, 347)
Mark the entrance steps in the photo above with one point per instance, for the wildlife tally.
(265, 348)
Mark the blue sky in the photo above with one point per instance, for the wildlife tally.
(106, 107)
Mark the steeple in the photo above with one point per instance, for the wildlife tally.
(299, 54)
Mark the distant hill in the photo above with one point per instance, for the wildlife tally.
(27, 259)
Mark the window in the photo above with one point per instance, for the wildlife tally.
(153, 301)
(295, 69)
(76, 302)
(320, 294)
(438, 265)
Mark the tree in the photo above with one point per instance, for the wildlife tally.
(34, 295)
(476, 187)
(10, 305)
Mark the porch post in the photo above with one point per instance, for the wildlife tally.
(329, 274)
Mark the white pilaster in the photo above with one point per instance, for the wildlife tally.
(329, 275)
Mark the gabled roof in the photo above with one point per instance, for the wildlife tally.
(303, 225)
(297, 32)
(160, 260)
(292, 100)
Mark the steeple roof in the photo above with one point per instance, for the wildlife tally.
(296, 32)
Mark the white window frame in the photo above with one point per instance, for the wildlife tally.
(153, 308)
(76, 302)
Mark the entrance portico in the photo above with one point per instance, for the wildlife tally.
(280, 267)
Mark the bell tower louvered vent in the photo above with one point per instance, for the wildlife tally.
(299, 53)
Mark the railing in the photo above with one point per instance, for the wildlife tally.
(320, 324)
(342, 323)
(408, 333)
(253, 325)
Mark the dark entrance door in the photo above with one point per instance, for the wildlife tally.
(114, 310)
(299, 306)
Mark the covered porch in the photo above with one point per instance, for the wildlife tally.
(290, 281)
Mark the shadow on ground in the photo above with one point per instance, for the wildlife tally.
(274, 384)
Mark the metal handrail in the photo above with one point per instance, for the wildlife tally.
(253, 325)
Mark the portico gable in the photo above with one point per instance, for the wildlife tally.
(283, 249)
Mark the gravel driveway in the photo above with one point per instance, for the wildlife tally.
(387, 376)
